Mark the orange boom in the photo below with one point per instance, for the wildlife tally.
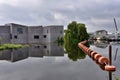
(103, 62)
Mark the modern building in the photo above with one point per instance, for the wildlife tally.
(100, 34)
(16, 33)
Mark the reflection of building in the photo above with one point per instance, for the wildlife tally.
(35, 50)
(5, 55)
(15, 33)
(101, 44)
(53, 50)
(45, 50)
(19, 54)
(14, 54)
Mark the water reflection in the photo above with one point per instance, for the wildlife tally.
(35, 50)
(74, 53)
(111, 54)
(103, 43)
(14, 55)
(44, 69)
(100, 43)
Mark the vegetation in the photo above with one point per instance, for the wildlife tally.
(11, 46)
(75, 33)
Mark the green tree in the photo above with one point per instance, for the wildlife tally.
(75, 33)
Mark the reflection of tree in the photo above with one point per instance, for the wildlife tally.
(75, 33)
(76, 54)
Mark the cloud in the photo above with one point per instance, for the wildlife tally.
(96, 14)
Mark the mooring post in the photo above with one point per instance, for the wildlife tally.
(110, 59)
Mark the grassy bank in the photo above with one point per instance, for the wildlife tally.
(11, 46)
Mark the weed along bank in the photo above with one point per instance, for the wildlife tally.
(17, 33)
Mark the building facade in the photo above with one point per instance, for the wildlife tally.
(100, 34)
(16, 33)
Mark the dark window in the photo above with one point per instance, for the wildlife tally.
(10, 36)
(37, 46)
(61, 31)
(45, 36)
(19, 30)
(15, 37)
(36, 36)
(45, 46)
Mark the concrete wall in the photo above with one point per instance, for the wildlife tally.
(19, 33)
(55, 32)
(46, 34)
(52, 33)
(35, 34)
(5, 34)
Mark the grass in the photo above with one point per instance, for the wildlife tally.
(11, 46)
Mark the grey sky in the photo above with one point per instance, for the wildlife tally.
(96, 14)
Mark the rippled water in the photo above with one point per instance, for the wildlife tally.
(48, 62)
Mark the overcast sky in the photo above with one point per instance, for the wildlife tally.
(96, 14)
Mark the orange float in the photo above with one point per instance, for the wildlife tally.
(89, 51)
(110, 68)
(103, 60)
(93, 54)
(97, 56)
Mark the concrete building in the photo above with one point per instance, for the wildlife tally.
(16, 33)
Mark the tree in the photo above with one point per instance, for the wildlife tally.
(75, 33)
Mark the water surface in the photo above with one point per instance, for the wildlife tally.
(49, 62)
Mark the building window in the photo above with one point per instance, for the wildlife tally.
(19, 30)
(45, 36)
(36, 36)
(10, 36)
(15, 37)
(45, 46)
(61, 31)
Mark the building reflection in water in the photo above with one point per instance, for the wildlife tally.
(100, 43)
(14, 55)
(35, 50)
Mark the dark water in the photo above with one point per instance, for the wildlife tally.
(49, 62)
